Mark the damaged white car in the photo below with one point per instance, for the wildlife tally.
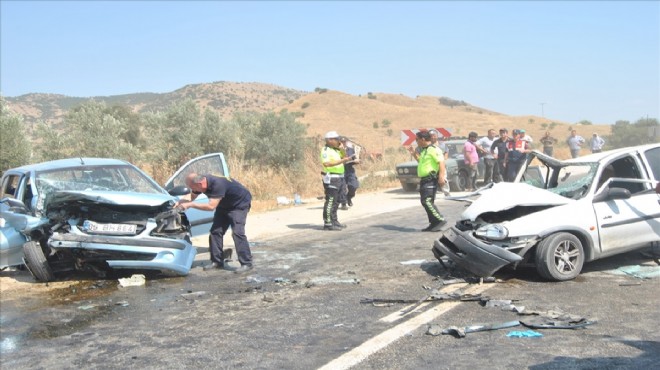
(578, 211)
(98, 215)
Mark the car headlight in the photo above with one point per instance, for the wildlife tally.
(493, 231)
(405, 170)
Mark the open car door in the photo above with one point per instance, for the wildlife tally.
(213, 164)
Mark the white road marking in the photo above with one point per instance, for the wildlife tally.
(382, 340)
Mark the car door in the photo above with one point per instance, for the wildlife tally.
(15, 216)
(213, 164)
(626, 224)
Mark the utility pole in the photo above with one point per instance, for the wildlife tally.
(542, 113)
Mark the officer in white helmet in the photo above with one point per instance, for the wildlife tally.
(332, 160)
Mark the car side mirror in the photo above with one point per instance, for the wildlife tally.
(15, 205)
(180, 190)
(611, 194)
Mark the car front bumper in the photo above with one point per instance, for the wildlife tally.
(473, 254)
(170, 256)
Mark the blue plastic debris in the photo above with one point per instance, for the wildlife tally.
(524, 334)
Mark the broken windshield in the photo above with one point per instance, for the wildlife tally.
(572, 181)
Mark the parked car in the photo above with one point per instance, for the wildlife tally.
(457, 171)
(580, 210)
(97, 214)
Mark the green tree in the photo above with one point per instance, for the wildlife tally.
(624, 134)
(178, 133)
(275, 140)
(15, 147)
(89, 130)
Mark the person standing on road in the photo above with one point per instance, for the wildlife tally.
(498, 149)
(351, 182)
(471, 159)
(575, 142)
(484, 145)
(597, 143)
(231, 202)
(516, 154)
(432, 173)
(332, 160)
(548, 143)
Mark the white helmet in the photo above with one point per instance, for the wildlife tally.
(331, 135)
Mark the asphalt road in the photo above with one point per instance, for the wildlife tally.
(301, 309)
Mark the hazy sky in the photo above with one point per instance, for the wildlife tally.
(568, 61)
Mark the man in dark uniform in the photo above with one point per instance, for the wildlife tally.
(231, 202)
(351, 182)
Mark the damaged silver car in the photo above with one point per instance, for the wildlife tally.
(576, 211)
(97, 215)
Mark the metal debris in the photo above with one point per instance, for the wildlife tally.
(461, 332)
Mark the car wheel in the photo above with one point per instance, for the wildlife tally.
(559, 257)
(36, 262)
(459, 182)
(408, 186)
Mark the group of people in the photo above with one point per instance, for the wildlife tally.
(502, 157)
(575, 142)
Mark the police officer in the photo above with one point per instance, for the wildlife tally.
(332, 160)
(351, 182)
(231, 202)
(431, 171)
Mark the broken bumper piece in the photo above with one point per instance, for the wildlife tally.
(472, 254)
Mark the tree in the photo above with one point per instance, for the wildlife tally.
(274, 140)
(15, 147)
(89, 130)
(177, 133)
(626, 134)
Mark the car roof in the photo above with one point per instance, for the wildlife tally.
(597, 157)
(71, 162)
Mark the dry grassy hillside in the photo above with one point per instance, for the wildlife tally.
(324, 110)
(354, 116)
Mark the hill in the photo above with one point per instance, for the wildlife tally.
(373, 120)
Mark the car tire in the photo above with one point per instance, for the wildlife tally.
(408, 186)
(36, 262)
(559, 257)
(459, 182)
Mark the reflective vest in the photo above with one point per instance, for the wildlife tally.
(330, 154)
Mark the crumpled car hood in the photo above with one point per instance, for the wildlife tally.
(155, 202)
(506, 195)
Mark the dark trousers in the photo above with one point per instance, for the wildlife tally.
(491, 170)
(349, 187)
(427, 189)
(512, 168)
(331, 200)
(547, 150)
(502, 171)
(222, 220)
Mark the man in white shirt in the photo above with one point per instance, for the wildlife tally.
(491, 170)
(597, 143)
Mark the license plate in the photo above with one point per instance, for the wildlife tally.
(114, 229)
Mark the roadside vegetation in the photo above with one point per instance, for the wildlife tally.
(271, 153)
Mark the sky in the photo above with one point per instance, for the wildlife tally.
(566, 61)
